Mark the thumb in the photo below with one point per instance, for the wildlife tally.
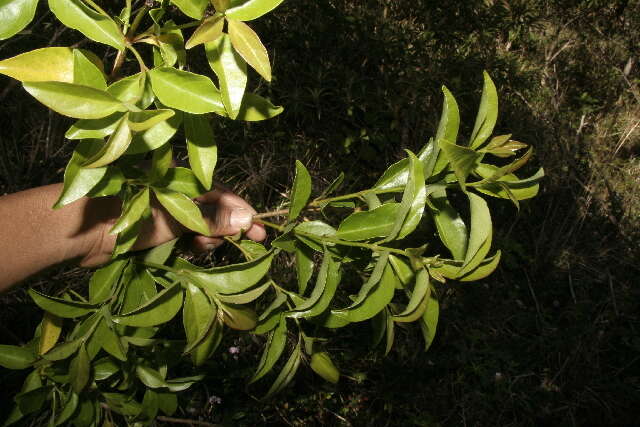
(225, 220)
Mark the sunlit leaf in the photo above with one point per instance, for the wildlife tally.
(208, 31)
(183, 209)
(255, 108)
(480, 234)
(247, 43)
(26, 67)
(115, 146)
(418, 301)
(129, 89)
(300, 192)
(161, 161)
(75, 14)
(71, 100)
(451, 228)
(429, 321)
(369, 224)
(239, 317)
(132, 211)
(447, 131)
(192, 8)
(202, 148)
(304, 266)
(110, 341)
(413, 201)
(251, 9)
(186, 91)
(156, 136)
(231, 70)
(15, 15)
(487, 113)
(160, 309)
(86, 73)
(143, 120)
(182, 180)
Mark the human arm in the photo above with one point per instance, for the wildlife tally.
(36, 237)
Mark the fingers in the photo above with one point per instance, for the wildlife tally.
(205, 244)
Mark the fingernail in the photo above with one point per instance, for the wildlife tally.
(241, 218)
(210, 247)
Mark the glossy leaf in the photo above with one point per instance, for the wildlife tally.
(183, 209)
(322, 365)
(86, 73)
(161, 161)
(160, 253)
(79, 181)
(369, 224)
(231, 70)
(70, 406)
(61, 307)
(520, 188)
(252, 250)
(160, 309)
(186, 91)
(418, 301)
(15, 15)
(326, 284)
(94, 128)
(171, 46)
(304, 266)
(198, 317)
(110, 184)
(463, 160)
(255, 108)
(429, 321)
(208, 31)
(14, 357)
(63, 350)
(115, 146)
(246, 296)
(238, 317)
(251, 9)
(247, 43)
(402, 270)
(75, 14)
(71, 100)
(110, 341)
(413, 201)
(129, 89)
(132, 211)
(233, 278)
(451, 228)
(143, 120)
(272, 351)
(375, 299)
(202, 148)
(150, 377)
(182, 180)
(451, 269)
(156, 136)
(310, 232)
(49, 333)
(79, 370)
(480, 235)
(487, 113)
(447, 131)
(221, 5)
(287, 373)
(27, 67)
(128, 237)
(300, 192)
(192, 8)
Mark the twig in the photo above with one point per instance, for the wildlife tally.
(186, 421)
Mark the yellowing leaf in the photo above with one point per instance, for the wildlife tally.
(208, 31)
(322, 365)
(251, 9)
(51, 329)
(115, 147)
(247, 43)
(27, 67)
(15, 15)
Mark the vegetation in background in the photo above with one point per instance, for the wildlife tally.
(551, 338)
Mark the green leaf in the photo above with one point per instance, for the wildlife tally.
(231, 70)
(255, 108)
(160, 309)
(372, 299)
(463, 160)
(61, 307)
(271, 315)
(192, 8)
(75, 14)
(128, 237)
(251, 9)
(168, 403)
(246, 296)
(272, 350)
(429, 321)
(287, 373)
(221, 5)
(322, 365)
(161, 162)
(304, 266)
(129, 89)
(132, 211)
(123, 405)
(150, 404)
(182, 180)
(79, 370)
(208, 31)
(94, 128)
(451, 228)
(70, 406)
(63, 351)
(413, 201)
(311, 232)
(252, 250)
(202, 148)
(110, 184)
(71, 100)
(390, 331)
(239, 317)
(15, 15)
(480, 234)
(79, 181)
(369, 224)
(300, 192)
(198, 318)
(373, 280)
(447, 131)
(402, 269)
(487, 113)
(183, 209)
(233, 278)
(186, 91)
(150, 377)
(161, 253)
(26, 67)
(326, 284)
(155, 136)
(521, 189)
(451, 269)
(247, 43)
(115, 146)
(171, 46)
(14, 357)
(143, 120)
(110, 341)
(32, 400)
(86, 73)
(419, 299)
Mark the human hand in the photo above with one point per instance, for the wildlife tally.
(225, 212)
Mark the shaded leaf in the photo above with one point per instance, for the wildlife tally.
(300, 192)
(322, 365)
(451, 228)
(239, 317)
(14, 357)
(94, 128)
(80, 370)
(272, 350)
(463, 160)
(480, 234)
(429, 321)
(304, 266)
(326, 284)
(487, 113)
(287, 373)
(365, 225)
(61, 307)
(50, 332)
(202, 148)
(143, 120)
(182, 180)
(160, 309)
(418, 301)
